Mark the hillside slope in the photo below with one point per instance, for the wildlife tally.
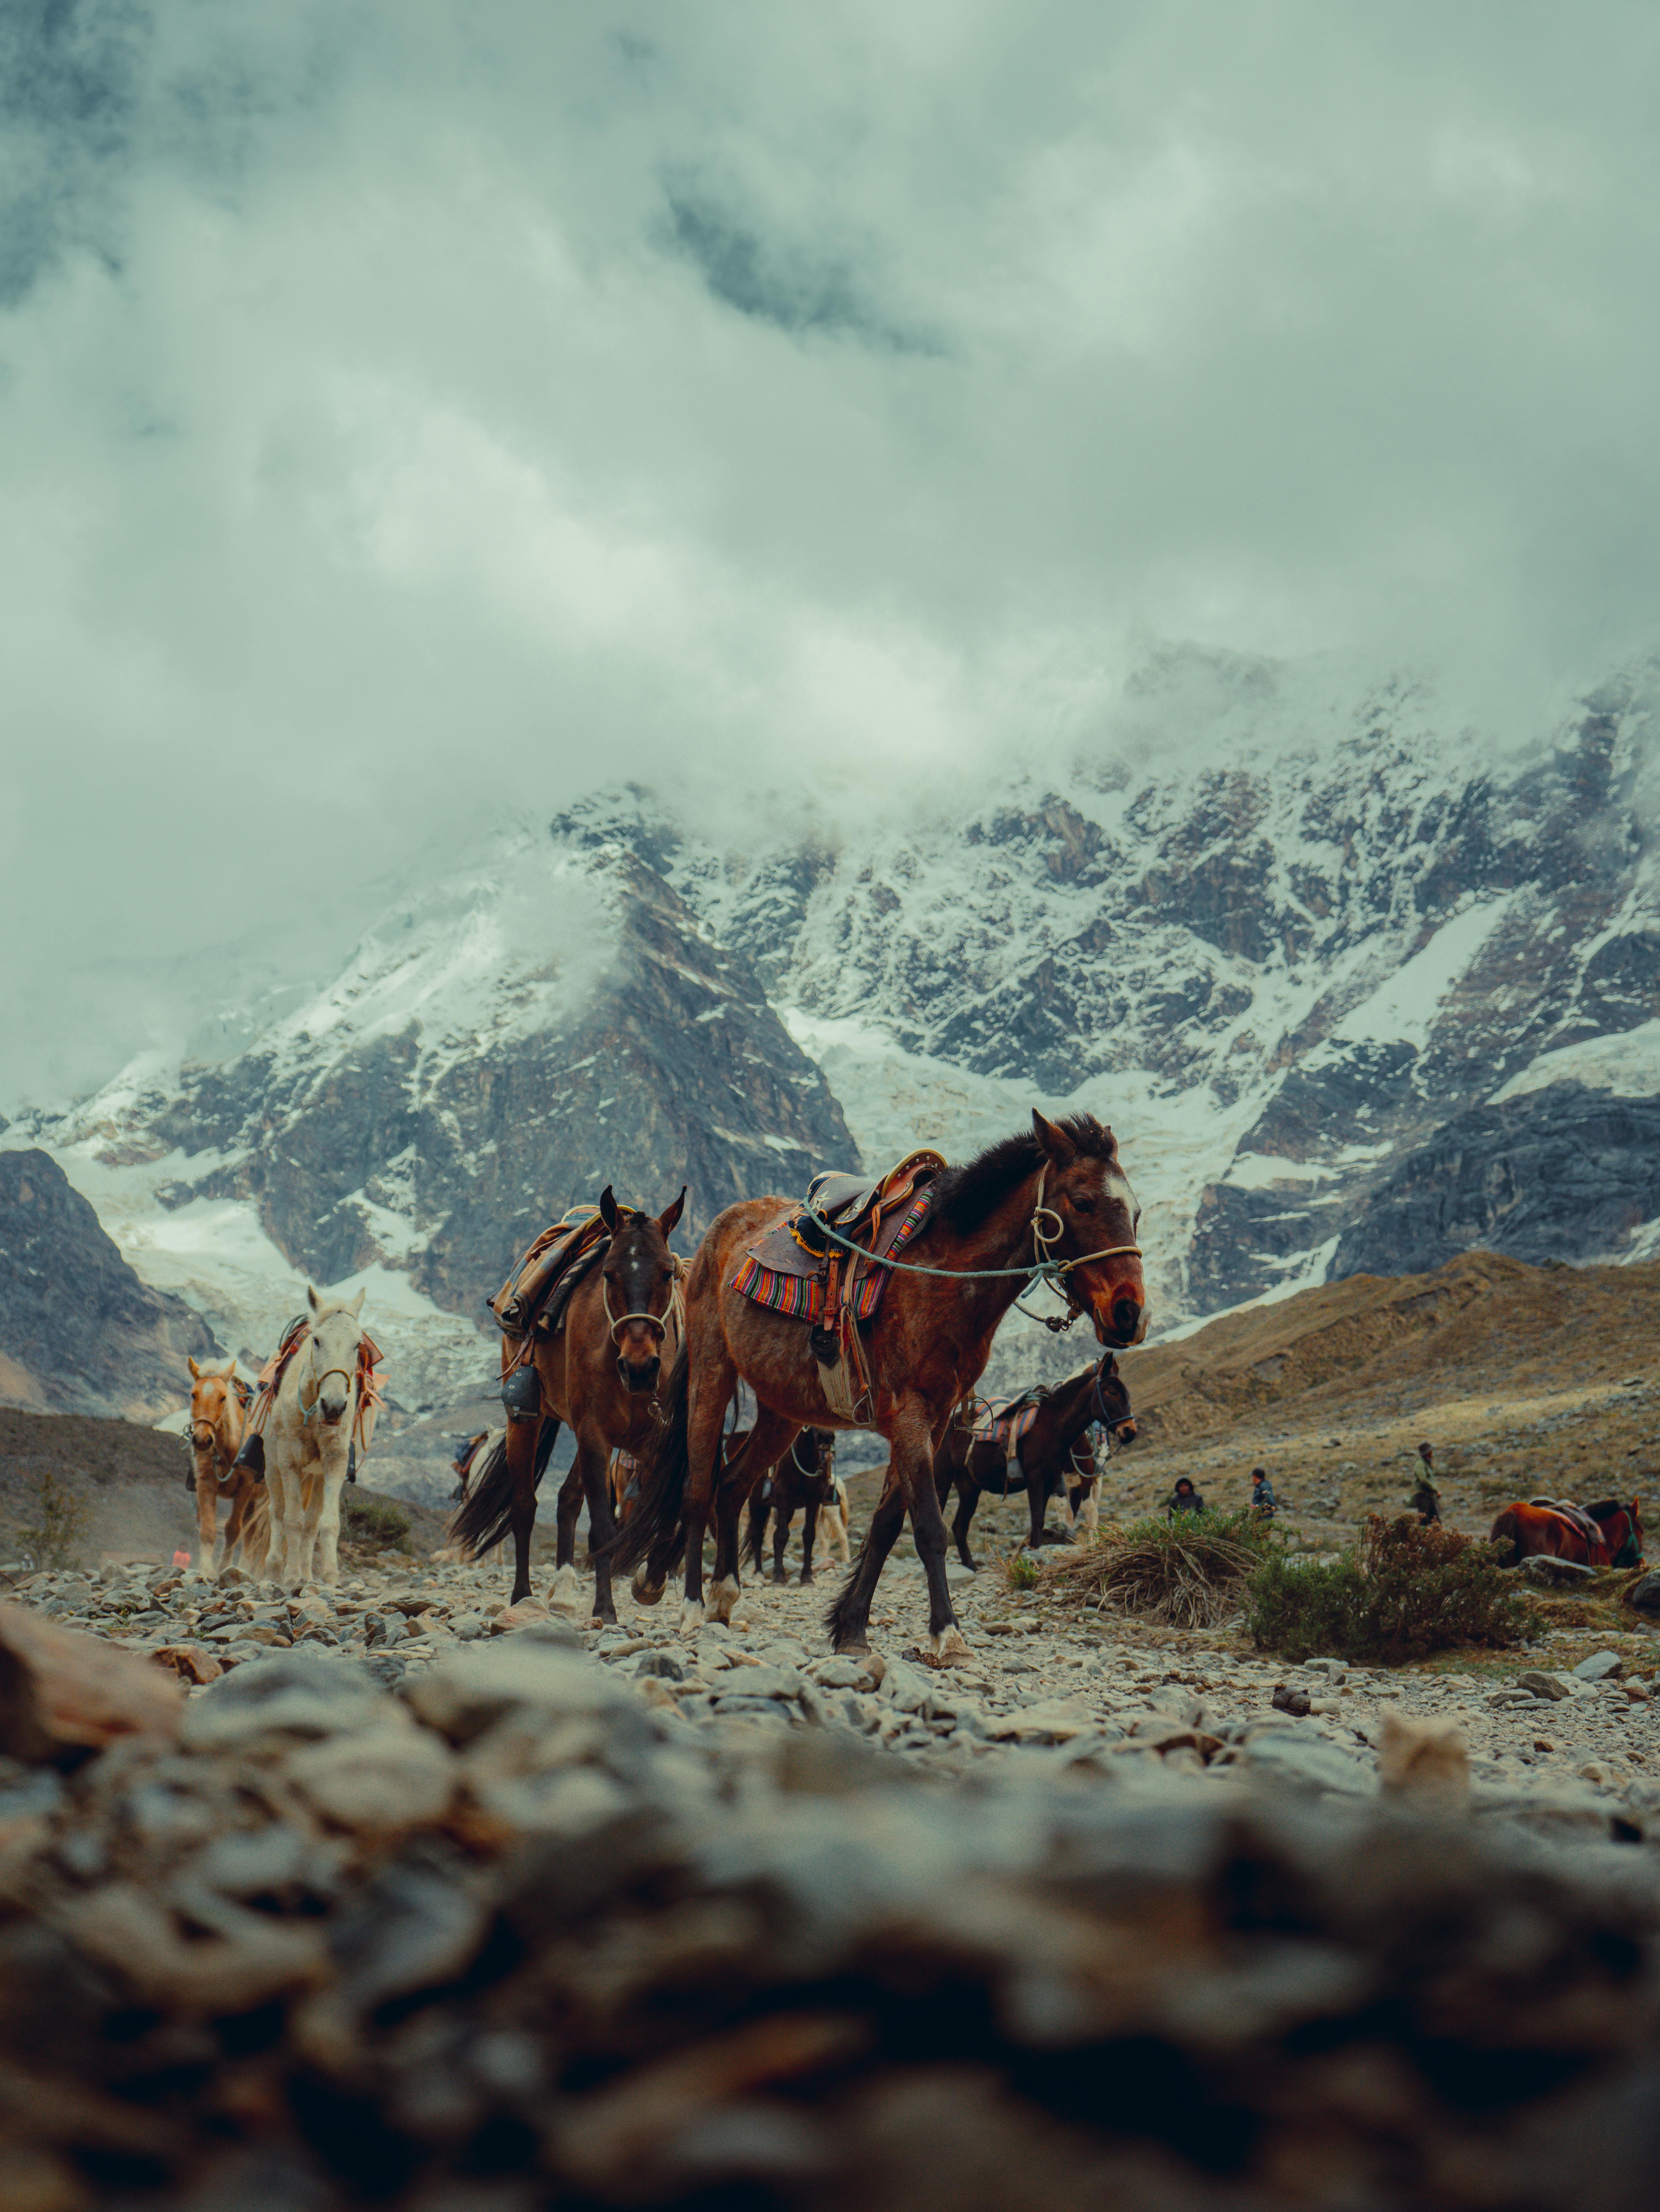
(1526, 1379)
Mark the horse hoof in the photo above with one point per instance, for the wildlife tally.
(947, 1648)
(722, 1597)
(691, 1619)
(646, 1593)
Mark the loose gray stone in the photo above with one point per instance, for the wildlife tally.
(1601, 1666)
(1541, 1567)
(1542, 1685)
(1309, 1763)
(298, 1692)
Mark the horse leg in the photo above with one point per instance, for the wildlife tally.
(709, 1389)
(206, 1523)
(911, 1442)
(567, 1591)
(850, 1616)
(780, 1539)
(968, 1497)
(769, 1438)
(1088, 1509)
(330, 1486)
(808, 1530)
(241, 1506)
(593, 1470)
(521, 1450)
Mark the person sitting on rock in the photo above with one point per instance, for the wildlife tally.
(1262, 1500)
(1426, 1499)
(1183, 1498)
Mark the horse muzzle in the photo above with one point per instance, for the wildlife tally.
(1120, 1318)
(640, 1377)
(332, 1415)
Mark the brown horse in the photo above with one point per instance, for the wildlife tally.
(219, 1406)
(804, 1479)
(599, 1375)
(1541, 1527)
(1055, 1200)
(1053, 1455)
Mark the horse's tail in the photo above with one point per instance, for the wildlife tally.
(663, 1472)
(486, 1513)
(1507, 1530)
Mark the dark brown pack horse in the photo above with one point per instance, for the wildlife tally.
(804, 1481)
(1056, 1197)
(1525, 1529)
(599, 1376)
(1054, 1455)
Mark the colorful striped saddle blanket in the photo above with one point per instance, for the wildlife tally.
(793, 1268)
(1007, 1423)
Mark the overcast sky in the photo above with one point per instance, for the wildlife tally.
(410, 408)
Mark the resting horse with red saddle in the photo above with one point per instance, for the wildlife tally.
(1607, 1534)
(890, 1343)
(583, 1344)
(1047, 1435)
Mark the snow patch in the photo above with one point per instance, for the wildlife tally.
(1627, 1064)
(1404, 1010)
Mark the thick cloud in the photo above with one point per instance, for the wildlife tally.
(408, 410)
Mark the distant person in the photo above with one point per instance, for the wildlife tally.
(1183, 1498)
(1262, 1500)
(1426, 1498)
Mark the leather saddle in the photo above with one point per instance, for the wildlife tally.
(537, 1291)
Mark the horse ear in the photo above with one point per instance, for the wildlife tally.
(356, 1305)
(194, 1368)
(1055, 1141)
(668, 1220)
(312, 1299)
(607, 1209)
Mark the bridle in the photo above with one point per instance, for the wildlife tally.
(672, 1319)
(1045, 1268)
(823, 1468)
(348, 1374)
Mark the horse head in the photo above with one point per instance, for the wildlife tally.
(325, 1387)
(1111, 1406)
(638, 1282)
(212, 1394)
(1088, 1193)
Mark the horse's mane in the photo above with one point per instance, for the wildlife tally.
(965, 1195)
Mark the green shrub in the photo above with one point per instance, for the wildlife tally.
(54, 1541)
(1406, 1591)
(1020, 1571)
(376, 1521)
(1189, 1570)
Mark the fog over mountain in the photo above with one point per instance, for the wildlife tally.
(1094, 554)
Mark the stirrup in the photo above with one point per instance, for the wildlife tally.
(827, 1346)
(251, 1456)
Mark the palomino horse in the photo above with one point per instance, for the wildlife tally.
(1050, 1453)
(1545, 1526)
(219, 1404)
(1054, 1201)
(598, 1374)
(307, 1438)
(805, 1478)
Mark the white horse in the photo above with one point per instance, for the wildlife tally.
(307, 1441)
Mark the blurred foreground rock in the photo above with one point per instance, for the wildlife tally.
(515, 1936)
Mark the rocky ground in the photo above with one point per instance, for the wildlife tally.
(418, 1901)
(1104, 1690)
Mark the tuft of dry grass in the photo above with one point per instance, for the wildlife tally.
(1188, 1573)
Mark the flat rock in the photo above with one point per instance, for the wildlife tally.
(1050, 1720)
(1309, 1763)
(1645, 1594)
(1555, 1573)
(1601, 1666)
(1542, 1685)
(299, 1692)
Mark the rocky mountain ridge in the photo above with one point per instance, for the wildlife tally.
(1350, 987)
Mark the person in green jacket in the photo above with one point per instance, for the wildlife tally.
(1183, 1498)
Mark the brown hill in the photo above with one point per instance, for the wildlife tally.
(1525, 1379)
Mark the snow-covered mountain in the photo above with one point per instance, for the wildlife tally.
(1351, 991)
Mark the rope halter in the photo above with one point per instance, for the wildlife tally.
(671, 1321)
